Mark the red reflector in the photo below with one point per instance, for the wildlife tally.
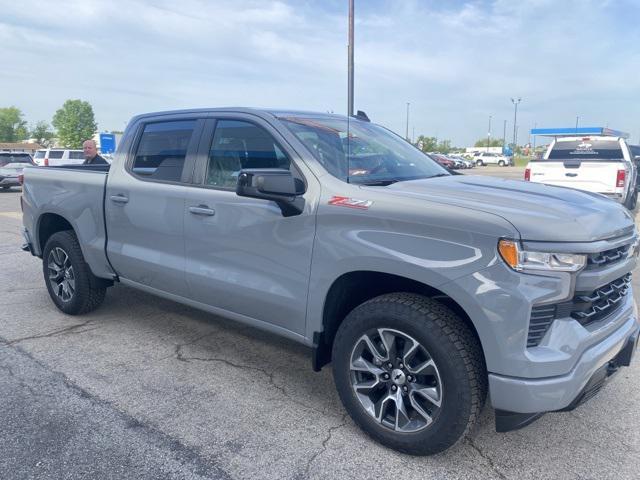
(46, 162)
(620, 178)
(527, 174)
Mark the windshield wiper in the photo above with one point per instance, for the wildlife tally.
(439, 175)
(379, 183)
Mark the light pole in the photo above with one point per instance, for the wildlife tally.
(504, 135)
(515, 121)
(406, 135)
(535, 125)
(350, 61)
(489, 134)
(577, 118)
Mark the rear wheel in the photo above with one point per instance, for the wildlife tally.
(71, 285)
(409, 372)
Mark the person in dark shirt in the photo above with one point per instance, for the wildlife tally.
(91, 156)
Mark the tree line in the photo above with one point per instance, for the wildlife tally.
(71, 125)
(432, 144)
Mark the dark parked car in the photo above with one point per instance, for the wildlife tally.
(9, 174)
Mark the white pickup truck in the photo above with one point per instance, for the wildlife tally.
(600, 164)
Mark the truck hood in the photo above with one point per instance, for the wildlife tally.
(539, 212)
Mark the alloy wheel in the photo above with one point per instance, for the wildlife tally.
(396, 380)
(61, 275)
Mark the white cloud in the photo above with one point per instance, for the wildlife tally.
(456, 63)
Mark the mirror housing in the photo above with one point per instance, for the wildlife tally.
(275, 184)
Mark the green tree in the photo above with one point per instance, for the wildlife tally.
(444, 146)
(427, 144)
(42, 133)
(13, 127)
(482, 142)
(75, 123)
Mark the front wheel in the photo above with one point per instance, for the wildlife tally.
(501, 163)
(71, 284)
(409, 372)
(479, 163)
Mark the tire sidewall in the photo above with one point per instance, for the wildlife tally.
(64, 241)
(453, 417)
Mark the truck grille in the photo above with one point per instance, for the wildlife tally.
(604, 301)
(585, 307)
(602, 259)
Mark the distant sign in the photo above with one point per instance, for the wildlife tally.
(107, 142)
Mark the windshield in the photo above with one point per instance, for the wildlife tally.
(369, 154)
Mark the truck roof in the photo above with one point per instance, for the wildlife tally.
(263, 112)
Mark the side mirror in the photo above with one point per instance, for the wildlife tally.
(273, 184)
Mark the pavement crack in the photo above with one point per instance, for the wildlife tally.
(269, 375)
(325, 442)
(489, 460)
(61, 331)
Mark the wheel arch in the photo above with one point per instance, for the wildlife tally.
(356, 287)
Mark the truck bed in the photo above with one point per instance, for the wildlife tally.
(71, 193)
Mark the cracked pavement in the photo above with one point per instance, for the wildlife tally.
(147, 388)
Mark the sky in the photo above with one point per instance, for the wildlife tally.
(456, 62)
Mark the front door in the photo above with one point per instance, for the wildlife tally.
(242, 254)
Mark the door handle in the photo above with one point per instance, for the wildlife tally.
(571, 174)
(202, 210)
(119, 199)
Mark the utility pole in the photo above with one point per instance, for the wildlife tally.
(350, 54)
(406, 135)
(413, 135)
(504, 135)
(515, 122)
(489, 134)
(535, 125)
(577, 118)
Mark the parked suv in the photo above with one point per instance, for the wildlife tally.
(52, 157)
(425, 289)
(486, 158)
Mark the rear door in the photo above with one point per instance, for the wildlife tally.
(242, 255)
(588, 163)
(145, 201)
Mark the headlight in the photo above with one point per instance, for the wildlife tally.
(520, 260)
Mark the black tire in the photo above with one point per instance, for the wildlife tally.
(89, 290)
(501, 163)
(6, 188)
(479, 163)
(452, 346)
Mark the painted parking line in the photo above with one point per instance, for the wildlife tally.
(16, 215)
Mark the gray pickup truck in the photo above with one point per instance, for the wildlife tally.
(426, 290)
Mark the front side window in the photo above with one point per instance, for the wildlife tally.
(56, 153)
(239, 145)
(76, 155)
(162, 150)
(361, 152)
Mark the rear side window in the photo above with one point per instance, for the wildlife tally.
(162, 150)
(237, 145)
(587, 149)
(76, 155)
(56, 153)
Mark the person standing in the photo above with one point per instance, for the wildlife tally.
(91, 156)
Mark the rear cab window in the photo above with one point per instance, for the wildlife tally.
(586, 149)
(162, 150)
(11, 157)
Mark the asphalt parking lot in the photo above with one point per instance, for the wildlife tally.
(147, 388)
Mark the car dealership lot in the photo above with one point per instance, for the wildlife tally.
(157, 389)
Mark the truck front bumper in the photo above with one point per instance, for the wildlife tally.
(518, 401)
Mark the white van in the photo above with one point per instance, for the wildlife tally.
(599, 164)
(51, 157)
